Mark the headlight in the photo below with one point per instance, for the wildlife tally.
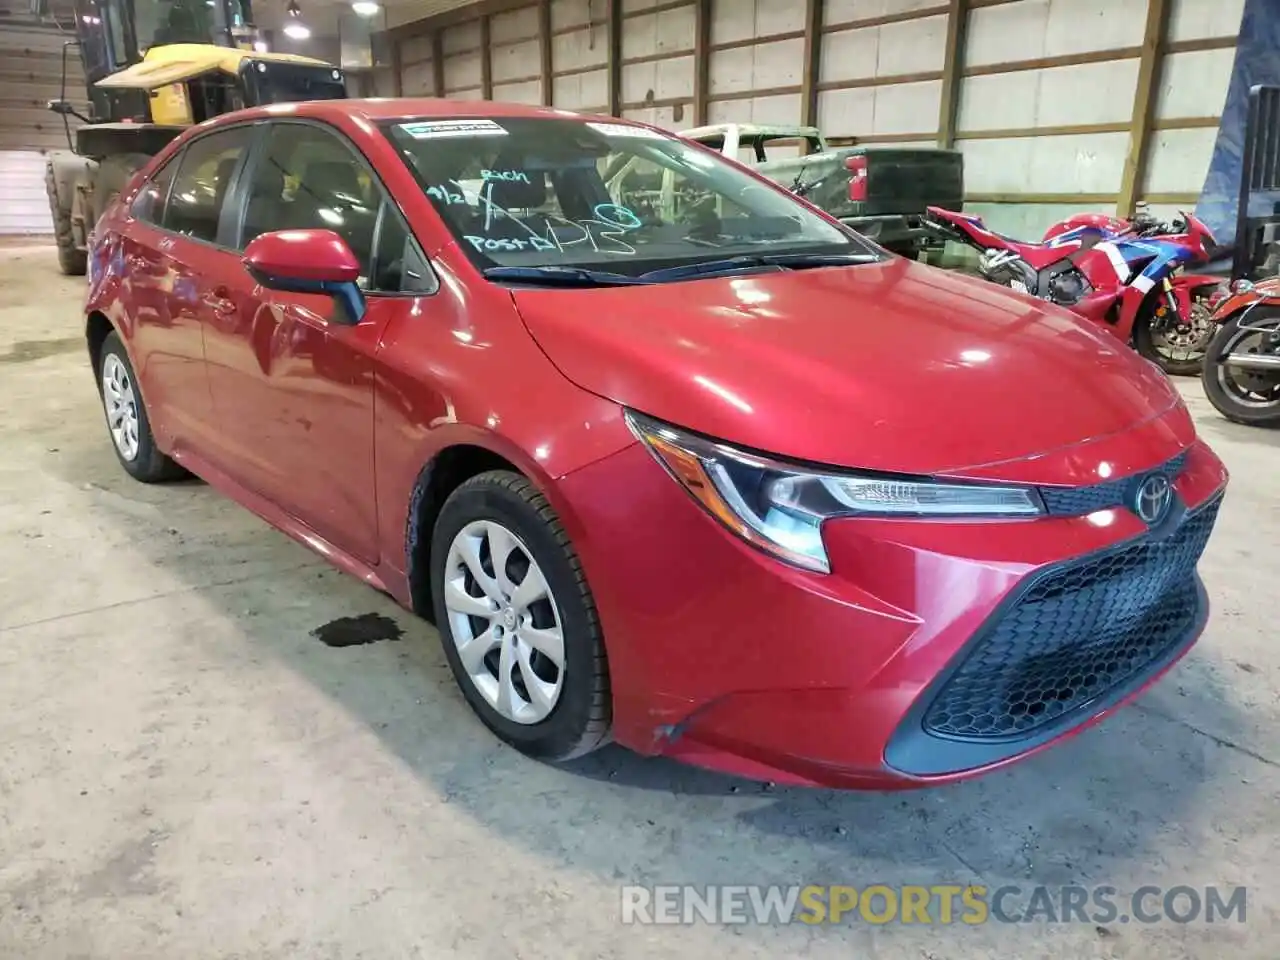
(779, 507)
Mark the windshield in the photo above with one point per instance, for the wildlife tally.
(568, 193)
(159, 22)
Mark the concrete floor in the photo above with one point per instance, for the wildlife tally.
(186, 772)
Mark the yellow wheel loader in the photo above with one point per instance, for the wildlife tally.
(153, 68)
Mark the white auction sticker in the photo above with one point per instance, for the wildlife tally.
(429, 129)
(625, 130)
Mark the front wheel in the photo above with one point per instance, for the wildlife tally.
(1246, 394)
(1175, 345)
(517, 619)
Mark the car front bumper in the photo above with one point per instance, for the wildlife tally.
(894, 670)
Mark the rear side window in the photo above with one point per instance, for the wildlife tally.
(200, 188)
(148, 206)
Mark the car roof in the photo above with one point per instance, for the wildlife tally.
(751, 130)
(378, 109)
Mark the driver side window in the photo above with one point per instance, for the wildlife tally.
(307, 178)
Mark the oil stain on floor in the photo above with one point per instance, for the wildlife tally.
(24, 351)
(355, 631)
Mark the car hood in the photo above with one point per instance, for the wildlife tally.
(886, 366)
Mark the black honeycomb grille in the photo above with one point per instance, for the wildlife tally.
(1077, 633)
(1077, 501)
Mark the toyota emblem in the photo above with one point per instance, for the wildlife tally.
(1153, 499)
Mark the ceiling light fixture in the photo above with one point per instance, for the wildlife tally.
(365, 8)
(294, 28)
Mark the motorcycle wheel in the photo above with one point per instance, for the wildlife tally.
(1245, 396)
(1179, 350)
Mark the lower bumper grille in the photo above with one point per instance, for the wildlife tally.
(1076, 633)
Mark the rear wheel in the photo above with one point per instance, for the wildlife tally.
(1176, 345)
(127, 420)
(1246, 394)
(72, 261)
(517, 619)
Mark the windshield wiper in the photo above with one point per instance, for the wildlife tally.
(788, 261)
(583, 277)
(798, 261)
(562, 276)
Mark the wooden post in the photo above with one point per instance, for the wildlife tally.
(486, 61)
(952, 72)
(544, 50)
(1144, 104)
(614, 53)
(437, 62)
(397, 66)
(701, 61)
(813, 17)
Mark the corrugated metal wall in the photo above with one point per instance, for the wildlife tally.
(1053, 126)
(30, 68)
(1044, 90)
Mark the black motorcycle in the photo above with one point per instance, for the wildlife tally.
(1241, 373)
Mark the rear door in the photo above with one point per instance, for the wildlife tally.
(181, 249)
(166, 347)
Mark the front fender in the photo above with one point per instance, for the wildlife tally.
(421, 508)
(1130, 304)
(1186, 288)
(1235, 303)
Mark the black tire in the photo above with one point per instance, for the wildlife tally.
(1144, 343)
(72, 261)
(110, 178)
(580, 720)
(148, 465)
(908, 252)
(1222, 394)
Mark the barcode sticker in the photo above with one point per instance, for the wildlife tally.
(625, 130)
(429, 129)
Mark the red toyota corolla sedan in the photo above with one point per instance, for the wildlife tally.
(667, 455)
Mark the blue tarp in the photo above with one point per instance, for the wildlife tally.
(1257, 62)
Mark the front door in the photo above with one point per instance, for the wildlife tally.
(292, 386)
(292, 380)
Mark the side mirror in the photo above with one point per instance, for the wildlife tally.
(65, 109)
(308, 261)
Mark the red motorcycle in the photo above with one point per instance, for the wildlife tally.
(1128, 275)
